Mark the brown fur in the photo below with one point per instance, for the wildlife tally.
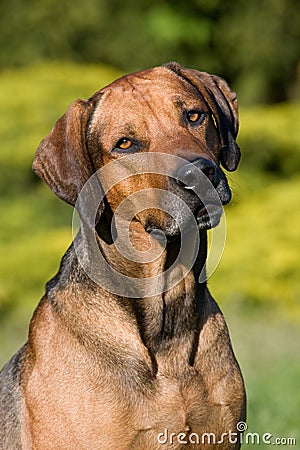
(101, 371)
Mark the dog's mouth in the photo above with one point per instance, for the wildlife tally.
(208, 216)
(203, 218)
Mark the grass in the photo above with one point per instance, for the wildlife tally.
(257, 282)
(267, 350)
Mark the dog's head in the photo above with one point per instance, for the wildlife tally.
(167, 110)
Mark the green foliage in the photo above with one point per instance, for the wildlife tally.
(32, 99)
(254, 44)
(260, 265)
(262, 222)
(261, 43)
(270, 137)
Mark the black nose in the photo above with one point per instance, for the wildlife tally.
(188, 174)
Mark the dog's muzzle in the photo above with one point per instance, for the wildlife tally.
(203, 188)
(208, 189)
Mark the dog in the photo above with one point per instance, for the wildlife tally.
(149, 366)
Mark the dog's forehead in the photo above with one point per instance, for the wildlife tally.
(143, 100)
(149, 85)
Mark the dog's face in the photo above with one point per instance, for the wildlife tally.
(169, 110)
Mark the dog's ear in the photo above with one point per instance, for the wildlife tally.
(62, 158)
(222, 103)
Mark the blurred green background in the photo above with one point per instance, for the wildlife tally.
(55, 51)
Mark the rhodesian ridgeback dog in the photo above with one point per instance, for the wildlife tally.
(111, 367)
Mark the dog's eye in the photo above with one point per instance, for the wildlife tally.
(124, 144)
(195, 117)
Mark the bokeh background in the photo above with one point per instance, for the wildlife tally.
(55, 51)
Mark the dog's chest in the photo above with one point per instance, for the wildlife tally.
(179, 413)
(175, 412)
(116, 402)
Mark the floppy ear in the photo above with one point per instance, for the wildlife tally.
(62, 158)
(222, 103)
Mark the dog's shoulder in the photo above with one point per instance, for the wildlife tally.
(71, 272)
(10, 395)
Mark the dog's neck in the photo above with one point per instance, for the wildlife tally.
(162, 264)
(172, 313)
